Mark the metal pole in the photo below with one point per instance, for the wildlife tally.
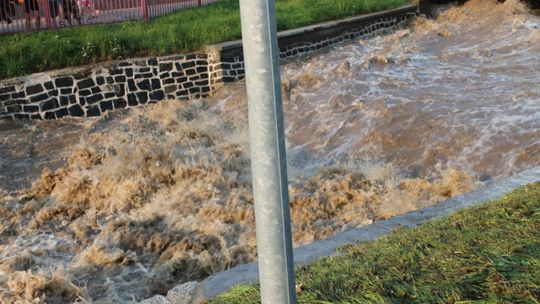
(267, 145)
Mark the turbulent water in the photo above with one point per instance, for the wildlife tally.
(129, 205)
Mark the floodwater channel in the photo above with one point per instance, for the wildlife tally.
(120, 208)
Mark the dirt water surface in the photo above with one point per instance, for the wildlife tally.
(117, 209)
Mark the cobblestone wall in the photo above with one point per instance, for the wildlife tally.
(92, 91)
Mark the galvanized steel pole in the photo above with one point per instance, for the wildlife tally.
(267, 145)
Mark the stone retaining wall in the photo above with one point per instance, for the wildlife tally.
(91, 91)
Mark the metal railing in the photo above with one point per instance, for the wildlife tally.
(38, 15)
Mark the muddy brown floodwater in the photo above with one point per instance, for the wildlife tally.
(117, 209)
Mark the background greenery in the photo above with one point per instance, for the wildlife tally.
(181, 31)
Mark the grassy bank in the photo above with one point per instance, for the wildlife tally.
(182, 31)
(488, 254)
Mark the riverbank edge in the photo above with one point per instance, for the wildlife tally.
(210, 288)
(91, 91)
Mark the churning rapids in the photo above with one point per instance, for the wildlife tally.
(129, 205)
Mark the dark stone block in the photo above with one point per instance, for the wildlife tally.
(11, 102)
(35, 116)
(49, 104)
(31, 109)
(181, 79)
(82, 101)
(72, 99)
(121, 78)
(21, 116)
(116, 72)
(188, 64)
(85, 84)
(157, 95)
(109, 95)
(177, 74)
(202, 82)
(64, 101)
(49, 85)
(146, 75)
(165, 75)
(61, 113)
(187, 85)
(165, 66)
(119, 103)
(168, 81)
(53, 93)
(109, 80)
(131, 85)
(7, 89)
(35, 89)
(144, 70)
(144, 85)
(5, 97)
(96, 90)
(93, 111)
(205, 89)
(63, 82)
(202, 69)
(142, 97)
(49, 115)
(170, 89)
(156, 84)
(76, 111)
(191, 56)
(170, 96)
(152, 61)
(66, 91)
(194, 90)
(132, 99)
(94, 98)
(85, 93)
(105, 106)
(124, 64)
(194, 77)
(17, 95)
(100, 80)
(120, 90)
(39, 98)
(129, 72)
(13, 109)
(202, 62)
(190, 72)
(183, 93)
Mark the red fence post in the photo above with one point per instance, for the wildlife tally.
(47, 13)
(144, 6)
(199, 2)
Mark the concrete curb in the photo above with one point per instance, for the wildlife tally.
(248, 273)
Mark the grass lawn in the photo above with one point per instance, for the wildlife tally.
(181, 31)
(488, 254)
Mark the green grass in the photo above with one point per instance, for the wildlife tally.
(488, 254)
(182, 31)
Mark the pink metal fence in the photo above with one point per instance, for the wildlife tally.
(35, 15)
